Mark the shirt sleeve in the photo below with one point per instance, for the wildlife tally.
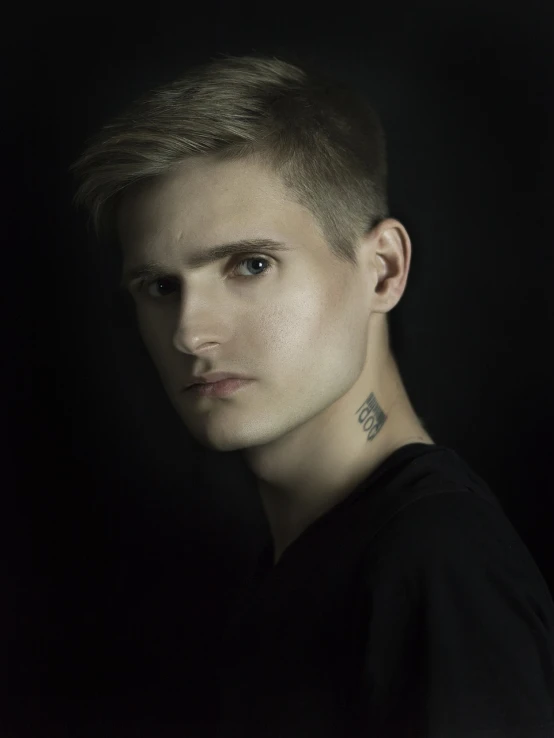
(460, 636)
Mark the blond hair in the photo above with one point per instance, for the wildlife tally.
(320, 137)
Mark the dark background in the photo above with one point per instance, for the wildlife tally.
(125, 539)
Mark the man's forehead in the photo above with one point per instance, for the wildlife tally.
(173, 205)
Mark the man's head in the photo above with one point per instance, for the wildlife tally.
(253, 147)
(302, 323)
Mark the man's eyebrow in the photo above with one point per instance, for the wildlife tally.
(202, 258)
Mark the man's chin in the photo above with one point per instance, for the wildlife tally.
(221, 443)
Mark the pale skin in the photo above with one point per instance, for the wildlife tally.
(310, 331)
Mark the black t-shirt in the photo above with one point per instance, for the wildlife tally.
(410, 609)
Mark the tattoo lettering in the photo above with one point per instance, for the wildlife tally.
(371, 416)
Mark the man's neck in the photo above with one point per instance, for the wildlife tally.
(291, 509)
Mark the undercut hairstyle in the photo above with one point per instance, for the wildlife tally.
(320, 137)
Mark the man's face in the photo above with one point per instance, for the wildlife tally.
(300, 329)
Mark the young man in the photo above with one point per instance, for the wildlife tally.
(395, 598)
(324, 404)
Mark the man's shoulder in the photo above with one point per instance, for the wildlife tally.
(458, 541)
(457, 525)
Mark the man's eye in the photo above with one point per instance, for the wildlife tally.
(154, 283)
(170, 283)
(255, 259)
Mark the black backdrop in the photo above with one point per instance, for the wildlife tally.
(126, 540)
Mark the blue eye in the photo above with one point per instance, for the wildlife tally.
(168, 280)
(255, 258)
